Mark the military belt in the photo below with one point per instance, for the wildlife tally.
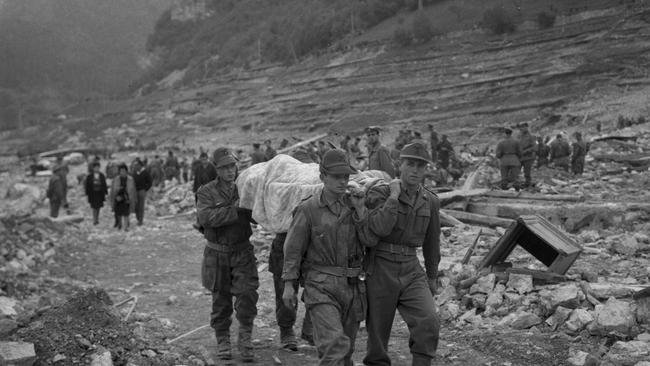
(339, 271)
(396, 249)
(237, 247)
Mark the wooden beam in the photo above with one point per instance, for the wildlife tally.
(477, 219)
(535, 196)
(448, 220)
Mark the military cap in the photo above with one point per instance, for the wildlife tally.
(376, 129)
(415, 151)
(203, 155)
(222, 157)
(336, 162)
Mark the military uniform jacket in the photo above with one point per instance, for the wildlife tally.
(528, 146)
(389, 219)
(509, 152)
(560, 149)
(579, 150)
(379, 159)
(320, 236)
(223, 222)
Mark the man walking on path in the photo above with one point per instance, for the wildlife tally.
(229, 266)
(378, 155)
(528, 147)
(56, 191)
(143, 183)
(405, 216)
(509, 152)
(325, 246)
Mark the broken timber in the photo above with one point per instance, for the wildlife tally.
(477, 219)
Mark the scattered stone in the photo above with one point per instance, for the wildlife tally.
(558, 318)
(628, 353)
(448, 293)
(149, 353)
(643, 337)
(577, 358)
(17, 353)
(7, 307)
(449, 311)
(525, 320)
(494, 300)
(468, 316)
(484, 284)
(589, 276)
(613, 316)
(625, 245)
(589, 236)
(604, 291)
(173, 299)
(101, 358)
(643, 310)
(569, 296)
(479, 300)
(58, 357)
(521, 283)
(578, 320)
(7, 326)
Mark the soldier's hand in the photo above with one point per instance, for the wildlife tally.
(395, 187)
(433, 285)
(289, 296)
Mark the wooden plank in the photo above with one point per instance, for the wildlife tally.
(470, 251)
(477, 219)
(535, 196)
(448, 220)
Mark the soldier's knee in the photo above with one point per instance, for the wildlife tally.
(430, 324)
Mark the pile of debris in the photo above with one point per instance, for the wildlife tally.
(86, 329)
(172, 198)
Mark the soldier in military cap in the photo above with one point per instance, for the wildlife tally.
(405, 216)
(528, 150)
(229, 266)
(325, 247)
(378, 155)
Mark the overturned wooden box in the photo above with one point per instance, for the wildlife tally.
(543, 240)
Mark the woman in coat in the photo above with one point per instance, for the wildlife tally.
(123, 196)
(96, 190)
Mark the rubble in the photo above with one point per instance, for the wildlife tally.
(613, 316)
(17, 353)
(578, 320)
(628, 353)
(558, 318)
(521, 283)
(569, 296)
(625, 245)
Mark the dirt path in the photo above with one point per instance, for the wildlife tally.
(162, 259)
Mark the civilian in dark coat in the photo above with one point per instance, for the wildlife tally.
(96, 190)
(143, 183)
(204, 172)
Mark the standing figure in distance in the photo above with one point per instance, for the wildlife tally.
(445, 150)
(143, 184)
(560, 153)
(578, 155)
(378, 155)
(96, 190)
(528, 147)
(123, 196)
(509, 152)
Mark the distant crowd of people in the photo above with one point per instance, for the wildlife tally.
(520, 154)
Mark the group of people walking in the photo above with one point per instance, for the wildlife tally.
(520, 154)
(354, 254)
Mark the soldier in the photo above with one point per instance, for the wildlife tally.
(270, 152)
(56, 191)
(405, 216)
(560, 153)
(528, 147)
(325, 247)
(172, 167)
(509, 152)
(433, 141)
(258, 155)
(229, 266)
(143, 184)
(579, 148)
(542, 152)
(63, 171)
(204, 172)
(378, 155)
(445, 150)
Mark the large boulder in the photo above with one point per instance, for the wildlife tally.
(625, 245)
(569, 295)
(578, 320)
(522, 283)
(628, 353)
(613, 316)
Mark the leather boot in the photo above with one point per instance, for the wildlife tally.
(421, 361)
(223, 347)
(288, 339)
(245, 344)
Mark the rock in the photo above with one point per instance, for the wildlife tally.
(484, 284)
(521, 283)
(101, 358)
(628, 353)
(603, 291)
(149, 353)
(577, 358)
(58, 357)
(494, 300)
(449, 311)
(478, 301)
(626, 245)
(558, 318)
(17, 353)
(643, 363)
(578, 320)
(447, 294)
(643, 310)
(173, 299)
(589, 276)
(613, 316)
(7, 307)
(512, 297)
(525, 320)
(468, 316)
(569, 296)
(643, 337)
(642, 238)
(589, 236)
(7, 326)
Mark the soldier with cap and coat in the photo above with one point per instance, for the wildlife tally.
(560, 152)
(445, 151)
(325, 246)
(378, 155)
(528, 150)
(579, 152)
(509, 152)
(229, 266)
(405, 216)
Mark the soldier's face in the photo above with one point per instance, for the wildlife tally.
(372, 137)
(227, 173)
(412, 171)
(335, 183)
